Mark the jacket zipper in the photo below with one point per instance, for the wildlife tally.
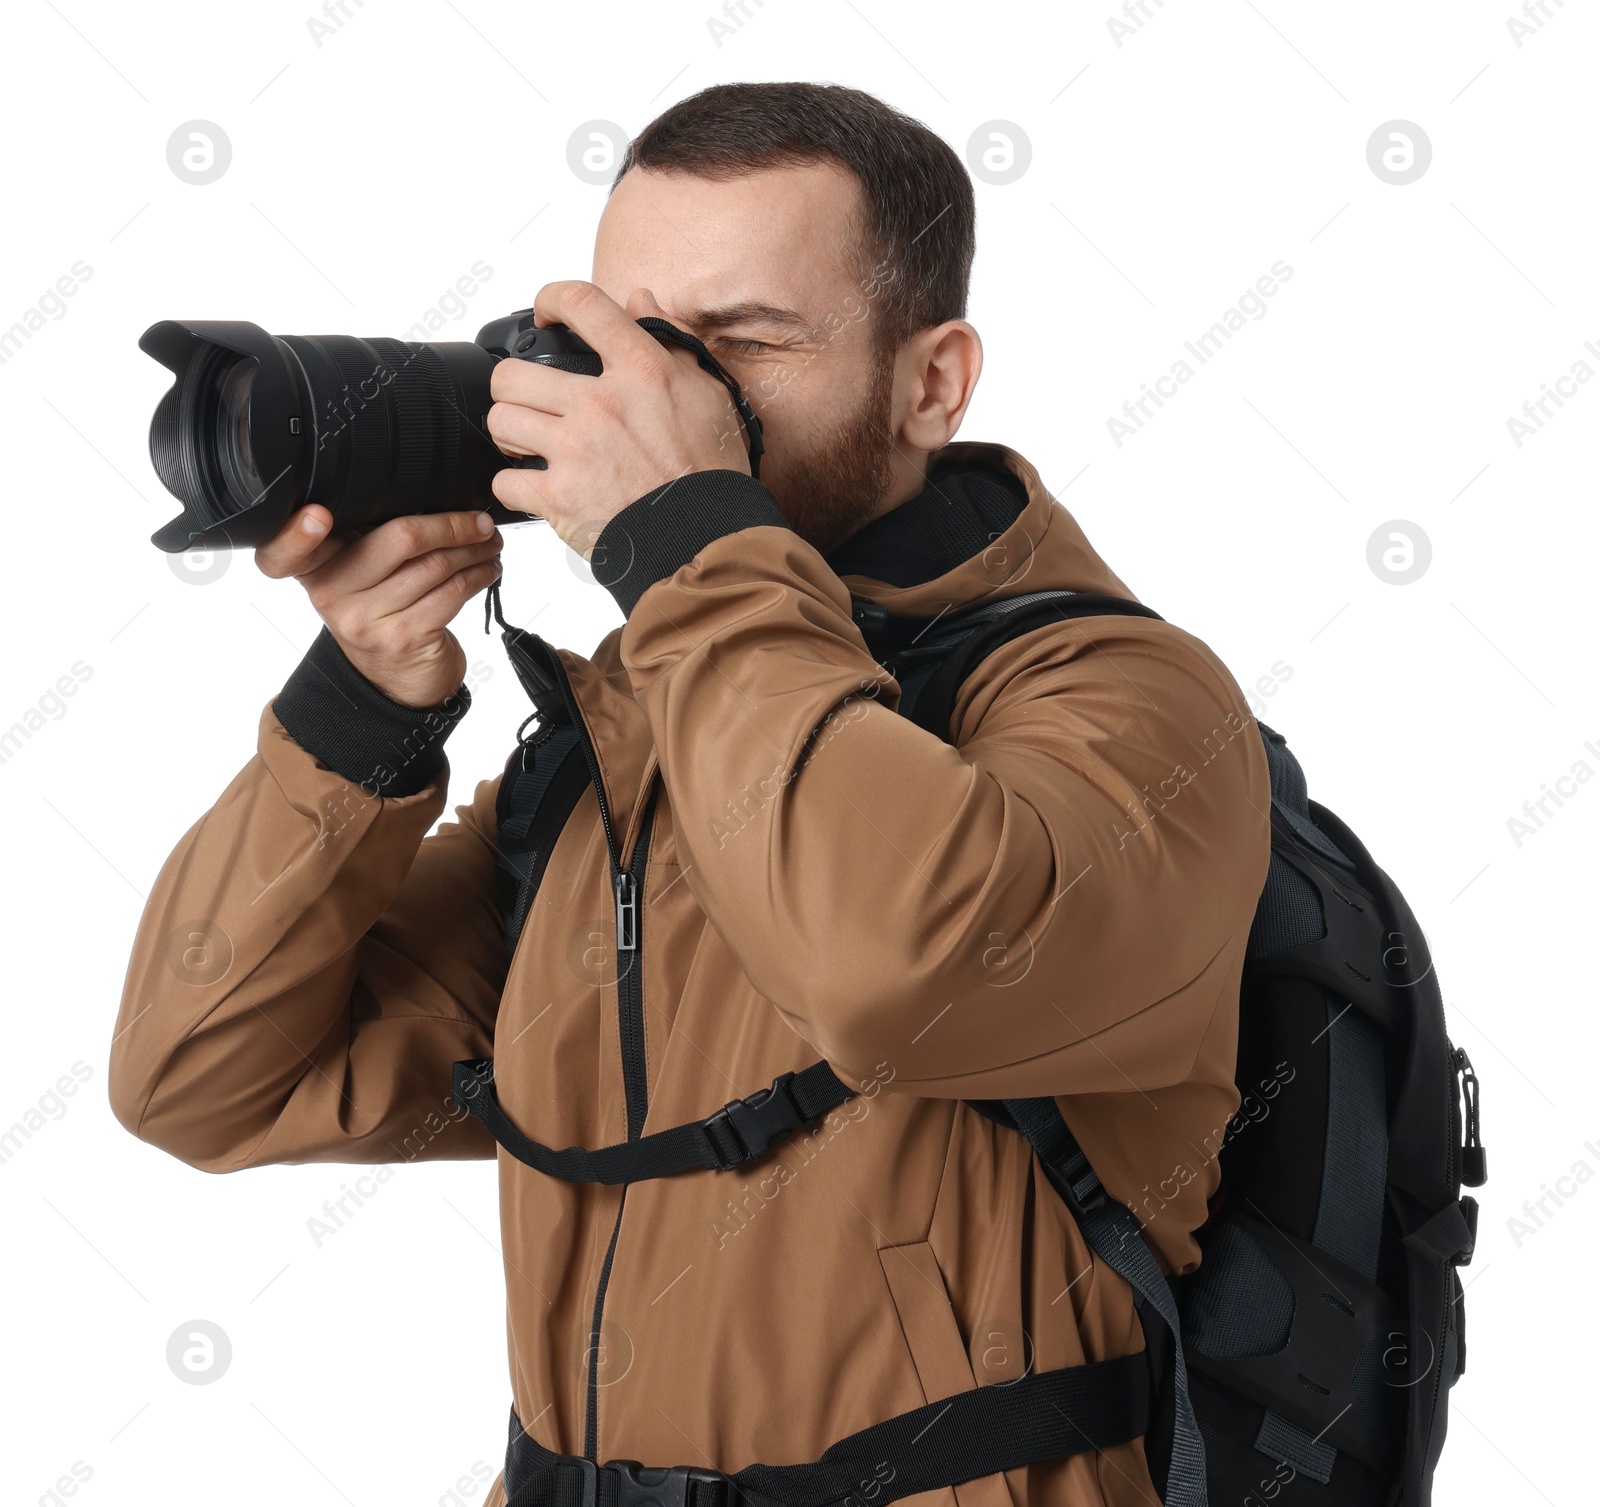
(627, 887)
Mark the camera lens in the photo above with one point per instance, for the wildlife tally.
(235, 456)
(256, 425)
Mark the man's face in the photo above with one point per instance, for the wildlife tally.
(763, 268)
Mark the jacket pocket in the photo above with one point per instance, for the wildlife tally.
(916, 1287)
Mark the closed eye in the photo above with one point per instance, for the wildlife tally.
(743, 347)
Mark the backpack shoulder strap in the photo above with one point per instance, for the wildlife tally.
(1116, 1238)
(965, 640)
(542, 784)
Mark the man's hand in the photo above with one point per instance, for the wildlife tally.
(649, 418)
(388, 594)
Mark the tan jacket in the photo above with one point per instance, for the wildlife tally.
(1057, 905)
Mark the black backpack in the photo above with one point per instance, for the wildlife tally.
(1308, 1359)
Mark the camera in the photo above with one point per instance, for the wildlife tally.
(257, 425)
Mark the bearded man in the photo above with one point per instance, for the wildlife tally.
(1048, 897)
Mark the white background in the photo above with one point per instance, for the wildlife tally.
(1167, 175)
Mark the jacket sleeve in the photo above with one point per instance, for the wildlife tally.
(309, 963)
(1057, 906)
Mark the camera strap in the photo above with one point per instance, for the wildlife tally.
(670, 334)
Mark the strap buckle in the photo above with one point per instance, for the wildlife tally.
(754, 1124)
(661, 1485)
(1081, 1188)
(867, 614)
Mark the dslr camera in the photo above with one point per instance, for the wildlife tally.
(257, 425)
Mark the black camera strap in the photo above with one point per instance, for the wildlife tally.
(670, 334)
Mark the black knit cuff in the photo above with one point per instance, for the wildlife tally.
(336, 714)
(667, 528)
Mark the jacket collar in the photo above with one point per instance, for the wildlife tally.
(961, 511)
(984, 527)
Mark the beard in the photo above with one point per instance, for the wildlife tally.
(835, 486)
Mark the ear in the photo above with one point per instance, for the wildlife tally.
(936, 371)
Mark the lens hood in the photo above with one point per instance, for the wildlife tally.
(194, 351)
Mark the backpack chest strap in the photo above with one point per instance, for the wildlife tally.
(740, 1132)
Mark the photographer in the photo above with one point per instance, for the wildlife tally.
(1052, 900)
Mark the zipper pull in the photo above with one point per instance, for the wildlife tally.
(1474, 1159)
(626, 888)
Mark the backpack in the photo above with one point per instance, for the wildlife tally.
(1308, 1358)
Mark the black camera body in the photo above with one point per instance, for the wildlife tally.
(256, 425)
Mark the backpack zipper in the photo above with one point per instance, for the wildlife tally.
(627, 885)
(1465, 1160)
(1474, 1160)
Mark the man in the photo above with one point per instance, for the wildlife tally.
(1055, 902)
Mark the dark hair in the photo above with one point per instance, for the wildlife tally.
(916, 244)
